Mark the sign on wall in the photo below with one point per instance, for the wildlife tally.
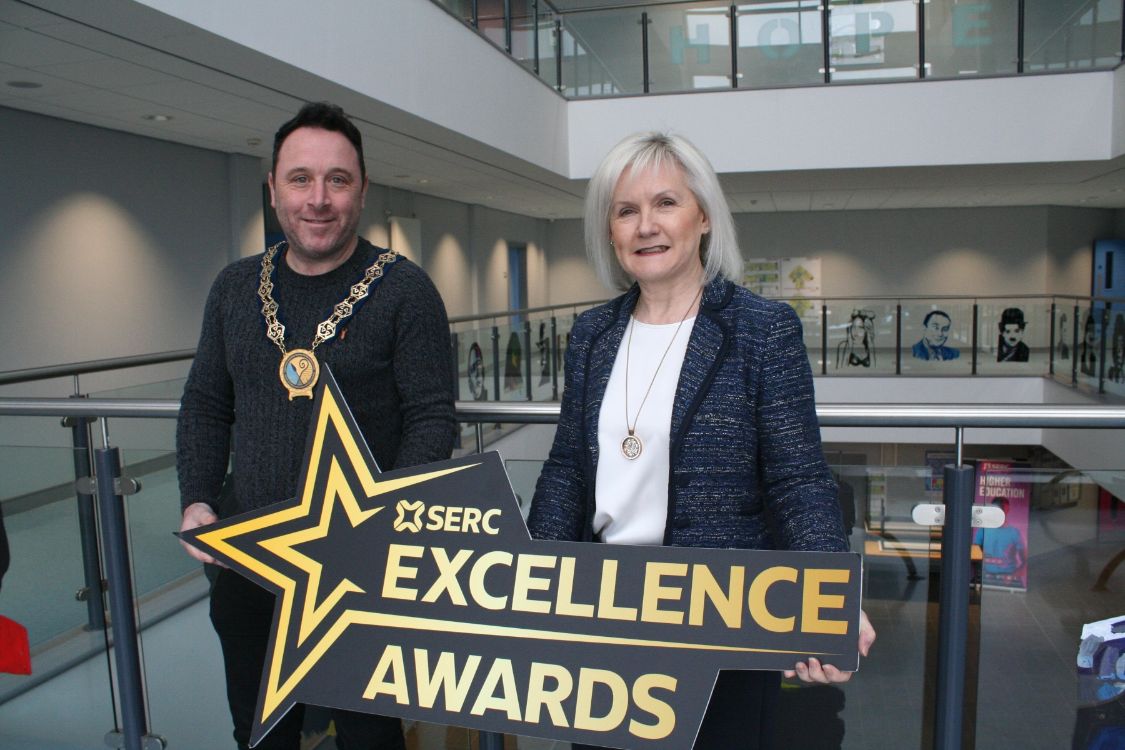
(419, 593)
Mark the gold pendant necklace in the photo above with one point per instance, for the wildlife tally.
(631, 445)
(299, 369)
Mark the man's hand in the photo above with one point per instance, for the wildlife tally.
(826, 674)
(196, 515)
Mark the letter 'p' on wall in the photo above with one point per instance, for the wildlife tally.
(418, 593)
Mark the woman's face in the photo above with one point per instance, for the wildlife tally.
(856, 329)
(656, 226)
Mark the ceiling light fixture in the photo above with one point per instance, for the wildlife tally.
(25, 85)
(157, 118)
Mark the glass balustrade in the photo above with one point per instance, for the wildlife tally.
(1032, 336)
(780, 43)
(1072, 34)
(1054, 565)
(971, 39)
(617, 49)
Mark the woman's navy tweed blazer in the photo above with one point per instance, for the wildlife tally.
(746, 465)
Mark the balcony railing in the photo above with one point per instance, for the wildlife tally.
(619, 48)
(520, 355)
(968, 628)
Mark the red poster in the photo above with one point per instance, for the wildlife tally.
(1111, 517)
(1003, 484)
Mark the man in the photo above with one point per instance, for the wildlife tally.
(1004, 552)
(1011, 348)
(934, 334)
(260, 355)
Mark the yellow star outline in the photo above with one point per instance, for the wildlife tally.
(337, 487)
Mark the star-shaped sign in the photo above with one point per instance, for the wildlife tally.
(419, 593)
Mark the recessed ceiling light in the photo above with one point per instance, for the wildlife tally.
(424, 181)
(253, 141)
(157, 118)
(25, 85)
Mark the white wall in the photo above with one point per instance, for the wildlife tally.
(954, 251)
(409, 61)
(110, 241)
(1070, 246)
(980, 121)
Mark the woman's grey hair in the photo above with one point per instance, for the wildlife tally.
(718, 249)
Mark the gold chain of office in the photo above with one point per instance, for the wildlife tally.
(299, 369)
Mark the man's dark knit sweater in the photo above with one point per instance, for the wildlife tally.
(391, 358)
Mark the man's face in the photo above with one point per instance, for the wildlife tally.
(318, 192)
(937, 330)
(1012, 334)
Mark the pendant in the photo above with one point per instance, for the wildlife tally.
(631, 446)
(299, 372)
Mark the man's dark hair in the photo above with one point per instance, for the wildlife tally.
(325, 116)
(932, 313)
(1012, 316)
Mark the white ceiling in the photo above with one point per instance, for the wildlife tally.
(119, 70)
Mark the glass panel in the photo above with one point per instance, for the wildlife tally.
(1065, 338)
(541, 359)
(808, 310)
(898, 556)
(602, 53)
(490, 20)
(523, 475)
(861, 337)
(474, 362)
(463, 9)
(1089, 347)
(1014, 337)
(873, 39)
(160, 389)
(1064, 34)
(513, 354)
(1115, 353)
(937, 338)
(780, 43)
(1070, 531)
(564, 324)
(524, 33)
(689, 47)
(152, 515)
(971, 38)
(41, 517)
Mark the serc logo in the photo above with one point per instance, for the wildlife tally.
(414, 522)
(457, 519)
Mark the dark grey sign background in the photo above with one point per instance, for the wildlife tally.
(340, 676)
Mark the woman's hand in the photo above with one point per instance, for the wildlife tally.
(827, 674)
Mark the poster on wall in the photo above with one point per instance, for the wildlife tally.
(800, 280)
(1111, 517)
(935, 469)
(1004, 484)
(793, 279)
(762, 276)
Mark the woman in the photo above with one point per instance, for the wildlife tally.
(858, 348)
(688, 415)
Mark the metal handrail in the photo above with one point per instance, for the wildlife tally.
(95, 365)
(522, 412)
(820, 299)
(32, 374)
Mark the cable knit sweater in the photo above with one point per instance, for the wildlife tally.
(391, 358)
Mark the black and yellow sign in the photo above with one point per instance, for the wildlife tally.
(419, 593)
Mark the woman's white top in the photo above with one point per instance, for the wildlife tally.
(631, 496)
